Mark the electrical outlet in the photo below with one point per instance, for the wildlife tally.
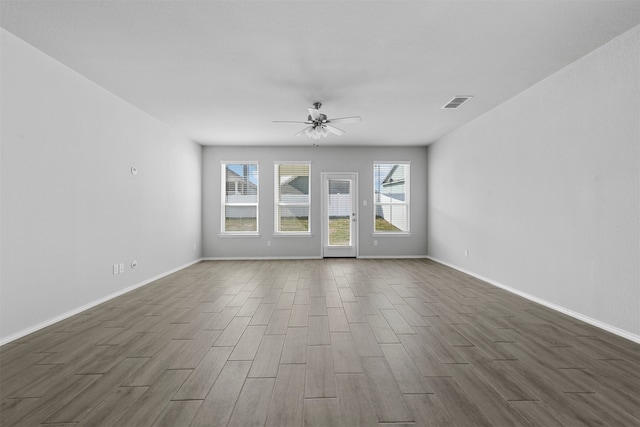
(115, 269)
(269, 243)
(375, 243)
(122, 267)
(466, 252)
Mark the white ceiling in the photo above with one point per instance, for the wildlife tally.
(219, 72)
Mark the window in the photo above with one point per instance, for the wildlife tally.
(292, 197)
(240, 198)
(391, 197)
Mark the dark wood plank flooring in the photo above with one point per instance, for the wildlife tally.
(320, 342)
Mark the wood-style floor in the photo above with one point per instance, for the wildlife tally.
(334, 342)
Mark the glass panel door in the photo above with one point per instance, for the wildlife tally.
(339, 216)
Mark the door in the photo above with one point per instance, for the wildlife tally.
(339, 215)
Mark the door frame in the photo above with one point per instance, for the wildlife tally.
(354, 249)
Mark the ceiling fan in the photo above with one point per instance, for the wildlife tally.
(319, 124)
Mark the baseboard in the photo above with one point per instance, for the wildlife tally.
(92, 304)
(594, 322)
(270, 258)
(310, 257)
(392, 256)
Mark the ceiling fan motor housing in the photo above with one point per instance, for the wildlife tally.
(321, 119)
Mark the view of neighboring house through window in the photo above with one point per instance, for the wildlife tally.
(391, 196)
(240, 197)
(292, 198)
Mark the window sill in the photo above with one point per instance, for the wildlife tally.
(241, 235)
(292, 235)
(380, 234)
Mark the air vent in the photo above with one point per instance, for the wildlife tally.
(456, 102)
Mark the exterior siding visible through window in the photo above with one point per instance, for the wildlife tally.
(292, 198)
(391, 197)
(240, 198)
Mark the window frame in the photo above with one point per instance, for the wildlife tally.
(277, 203)
(406, 202)
(224, 203)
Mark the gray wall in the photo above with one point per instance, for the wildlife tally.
(544, 190)
(323, 159)
(70, 208)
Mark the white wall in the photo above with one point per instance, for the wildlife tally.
(70, 206)
(544, 190)
(323, 159)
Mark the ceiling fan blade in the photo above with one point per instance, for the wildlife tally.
(334, 130)
(353, 119)
(314, 113)
(290, 121)
(304, 131)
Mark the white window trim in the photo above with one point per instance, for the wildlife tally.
(276, 203)
(406, 202)
(224, 204)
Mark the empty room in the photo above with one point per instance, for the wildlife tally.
(319, 213)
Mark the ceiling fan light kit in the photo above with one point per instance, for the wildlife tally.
(316, 132)
(319, 124)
